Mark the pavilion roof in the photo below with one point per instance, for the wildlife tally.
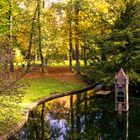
(120, 76)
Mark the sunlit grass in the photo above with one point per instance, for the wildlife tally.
(66, 63)
(39, 88)
(54, 63)
(9, 117)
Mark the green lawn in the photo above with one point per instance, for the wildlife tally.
(38, 88)
(51, 63)
(41, 87)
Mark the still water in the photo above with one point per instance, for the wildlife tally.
(81, 118)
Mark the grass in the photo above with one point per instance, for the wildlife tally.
(54, 63)
(39, 88)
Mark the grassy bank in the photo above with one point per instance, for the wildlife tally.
(39, 88)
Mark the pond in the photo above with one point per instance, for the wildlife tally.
(81, 117)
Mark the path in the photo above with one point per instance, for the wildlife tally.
(61, 73)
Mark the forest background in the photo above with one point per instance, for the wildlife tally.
(103, 34)
(93, 37)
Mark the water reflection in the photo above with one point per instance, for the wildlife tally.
(80, 118)
(59, 127)
(123, 126)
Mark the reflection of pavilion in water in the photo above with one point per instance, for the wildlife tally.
(81, 122)
(120, 122)
(123, 126)
(80, 117)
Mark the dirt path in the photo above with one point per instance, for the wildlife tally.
(60, 73)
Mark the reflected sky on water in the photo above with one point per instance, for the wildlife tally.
(81, 118)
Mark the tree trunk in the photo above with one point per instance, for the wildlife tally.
(10, 35)
(31, 42)
(39, 38)
(85, 51)
(35, 55)
(70, 37)
(77, 37)
(85, 56)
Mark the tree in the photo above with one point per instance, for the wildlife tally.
(76, 8)
(10, 33)
(121, 45)
(39, 34)
(10, 87)
(70, 34)
(6, 25)
(31, 41)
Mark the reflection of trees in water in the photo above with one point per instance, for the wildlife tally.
(134, 120)
(84, 119)
(57, 116)
(95, 119)
(37, 129)
(58, 109)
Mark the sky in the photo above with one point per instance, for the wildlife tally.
(54, 0)
(47, 3)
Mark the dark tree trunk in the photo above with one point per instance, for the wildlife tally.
(10, 35)
(77, 37)
(39, 38)
(30, 42)
(85, 50)
(85, 55)
(70, 37)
